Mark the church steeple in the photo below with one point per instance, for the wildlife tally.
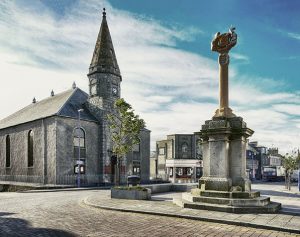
(104, 59)
(104, 73)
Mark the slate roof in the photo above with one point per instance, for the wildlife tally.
(104, 58)
(64, 104)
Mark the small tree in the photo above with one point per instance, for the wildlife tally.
(290, 163)
(125, 128)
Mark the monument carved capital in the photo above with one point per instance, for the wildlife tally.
(222, 43)
(224, 59)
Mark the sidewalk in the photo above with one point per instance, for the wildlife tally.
(290, 200)
(161, 204)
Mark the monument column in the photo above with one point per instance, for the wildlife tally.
(224, 136)
(223, 85)
(224, 185)
(222, 43)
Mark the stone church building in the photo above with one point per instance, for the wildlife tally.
(43, 142)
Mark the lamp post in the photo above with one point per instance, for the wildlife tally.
(299, 178)
(78, 136)
(298, 156)
(253, 173)
(296, 153)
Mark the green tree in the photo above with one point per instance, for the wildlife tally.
(125, 127)
(290, 163)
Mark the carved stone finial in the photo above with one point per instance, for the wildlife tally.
(52, 93)
(33, 100)
(74, 85)
(222, 43)
(104, 12)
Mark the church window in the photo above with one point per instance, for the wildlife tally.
(136, 147)
(30, 148)
(136, 168)
(79, 143)
(7, 163)
(79, 138)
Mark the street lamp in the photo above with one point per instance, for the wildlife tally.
(299, 177)
(78, 136)
(297, 154)
(298, 157)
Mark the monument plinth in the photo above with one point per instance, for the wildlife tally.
(224, 185)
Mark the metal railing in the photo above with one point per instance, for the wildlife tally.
(85, 179)
(22, 178)
(58, 180)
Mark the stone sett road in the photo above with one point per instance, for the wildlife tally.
(62, 213)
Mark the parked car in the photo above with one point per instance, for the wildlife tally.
(295, 176)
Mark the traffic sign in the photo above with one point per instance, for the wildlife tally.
(79, 162)
(82, 169)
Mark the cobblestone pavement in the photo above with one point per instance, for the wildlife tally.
(63, 213)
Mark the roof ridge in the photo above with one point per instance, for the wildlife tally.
(33, 104)
(47, 107)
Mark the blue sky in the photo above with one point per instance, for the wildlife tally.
(170, 76)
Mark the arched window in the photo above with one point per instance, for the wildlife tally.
(79, 137)
(184, 148)
(30, 148)
(79, 142)
(137, 147)
(7, 163)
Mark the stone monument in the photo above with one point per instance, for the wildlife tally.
(225, 185)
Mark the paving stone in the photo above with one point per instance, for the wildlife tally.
(63, 213)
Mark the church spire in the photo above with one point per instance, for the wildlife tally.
(104, 59)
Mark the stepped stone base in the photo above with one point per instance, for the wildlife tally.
(233, 202)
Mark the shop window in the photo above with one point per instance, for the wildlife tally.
(171, 171)
(189, 171)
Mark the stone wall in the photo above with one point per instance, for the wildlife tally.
(49, 147)
(104, 95)
(140, 155)
(145, 155)
(42, 151)
(66, 159)
(161, 158)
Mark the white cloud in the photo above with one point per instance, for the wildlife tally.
(240, 57)
(294, 35)
(291, 109)
(173, 90)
